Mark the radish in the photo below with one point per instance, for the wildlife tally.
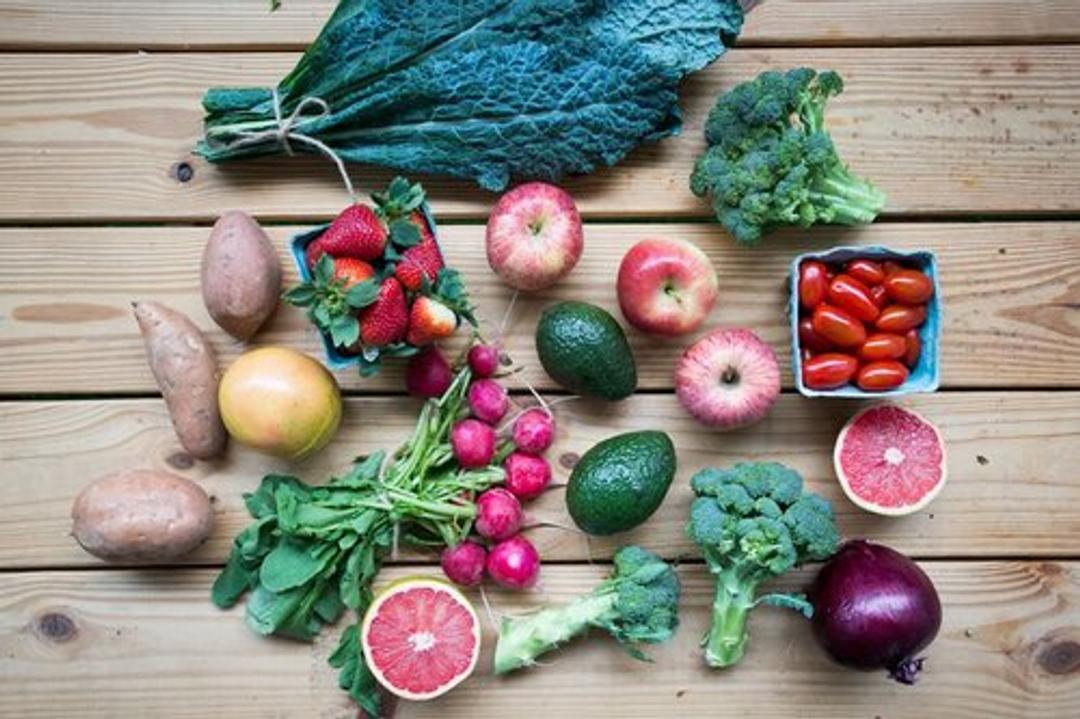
(428, 374)
(526, 475)
(498, 515)
(484, 360)
(514, 563)
(464, 564)
(473, 443)
(534, 431)
(488, 400)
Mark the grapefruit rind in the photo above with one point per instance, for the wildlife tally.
(869, 506)
(406, 584)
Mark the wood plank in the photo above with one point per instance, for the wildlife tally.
(247, 24)
(942, 130)
(1011, 298)
(1012, 483)
(111, 643)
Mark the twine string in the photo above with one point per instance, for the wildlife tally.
(288, 130)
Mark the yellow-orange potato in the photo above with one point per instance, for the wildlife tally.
(141, 515)
(280, 401)
(185, 368)
(241, 275)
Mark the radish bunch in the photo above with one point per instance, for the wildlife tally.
(499, 550)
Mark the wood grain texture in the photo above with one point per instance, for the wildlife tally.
(106, 644)
(1011, 299)
(943, 130)
(247, 24)
(1012, 487)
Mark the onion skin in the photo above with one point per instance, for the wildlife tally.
(875, 609)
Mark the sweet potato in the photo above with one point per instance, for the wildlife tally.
(141, 515)
(241, 275)
(185, 368)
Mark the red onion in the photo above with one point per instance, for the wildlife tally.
(874, 608)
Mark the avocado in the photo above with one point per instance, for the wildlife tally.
(582, 347)
(620, 482)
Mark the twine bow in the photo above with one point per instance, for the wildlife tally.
(288, 129)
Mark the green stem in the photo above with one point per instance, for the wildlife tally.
(522, 640)
(726, 639)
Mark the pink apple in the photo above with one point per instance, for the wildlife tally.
(728, 379)
(666, 287)
(534, 236)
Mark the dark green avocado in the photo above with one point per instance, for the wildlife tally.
(583, 348)
(620, 482)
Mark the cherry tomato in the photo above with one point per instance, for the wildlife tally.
(806, 354)
(808, 339)
(882, 345)
(829, 370)
(813, 284)
(898, 319)
(881, 375)
(879, 296)
(909, 287)
(848, 293)
(838, 326)
(868, 272)
(891, 266)
(913, 347)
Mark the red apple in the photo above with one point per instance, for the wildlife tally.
(666, 287)
(534, 236)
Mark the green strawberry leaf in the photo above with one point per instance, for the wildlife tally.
(345, 331)
(400, 349)
(324, 270)
(369, 362)
(362, 294)
(404, 233)
(301, 295)
(450, 290)
(391, 254)
(322, 317)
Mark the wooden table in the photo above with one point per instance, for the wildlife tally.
(966, 111)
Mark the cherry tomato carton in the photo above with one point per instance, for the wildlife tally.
(925, 376)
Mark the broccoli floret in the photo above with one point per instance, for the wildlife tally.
(637, 604)
(753, 522)
(771, 162)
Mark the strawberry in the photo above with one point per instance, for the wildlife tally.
(315, 249)
(430, 320)
(384, 322)
(352, 271)
(419, 261)
(356, 232)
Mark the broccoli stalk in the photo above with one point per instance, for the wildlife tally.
(753, 522)
(638, 603)
(771, 162)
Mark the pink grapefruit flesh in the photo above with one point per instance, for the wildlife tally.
(421, 638)
(890, 460)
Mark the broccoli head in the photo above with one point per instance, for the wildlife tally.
(637, 604)
(753, 522)
(771, 162)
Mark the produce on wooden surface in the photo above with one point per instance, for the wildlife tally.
(241, 275)
(484, 360)
(313, 551)
(527, 475)
(428, 374)
(421, 637)
(280, 401)
(875, 609)
(637, 604)
(490, 91)
(141, 515)
(728, 379)
(754, 522)
(375, 283)
(464, 564)
(584, 349)
(185, 369)
(620, 482)
(514, 563)
(498, 515)
(890, 460)
(859, 323)
(666, 286)
(534, 431)
(771, 162)
(534, 236)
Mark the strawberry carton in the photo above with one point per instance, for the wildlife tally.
(374, 281)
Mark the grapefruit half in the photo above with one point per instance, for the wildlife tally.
(890, 460)
(421, 638)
